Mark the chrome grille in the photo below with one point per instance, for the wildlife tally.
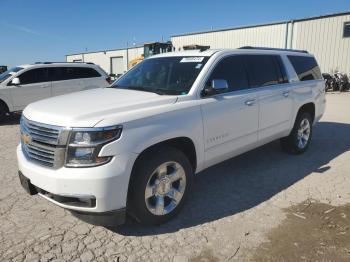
(43, 144)
(38, 154)
(39, 132)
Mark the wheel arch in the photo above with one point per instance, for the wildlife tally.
(182, 143)
(3, 103)
(309, 108)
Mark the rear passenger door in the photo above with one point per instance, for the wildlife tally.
(268, 77)
(34, 85)
(92, 78)
(73, 79)
(65, 80)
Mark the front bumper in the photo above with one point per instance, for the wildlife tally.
(106, 184)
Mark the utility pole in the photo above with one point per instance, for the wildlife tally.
(127, 55)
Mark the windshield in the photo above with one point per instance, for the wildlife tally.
(165, 75)
(9, 73)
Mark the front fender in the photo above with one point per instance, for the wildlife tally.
(141, 134)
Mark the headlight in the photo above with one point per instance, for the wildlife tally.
(85, 145)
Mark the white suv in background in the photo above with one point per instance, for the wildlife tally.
(134, 147)
(22, 85)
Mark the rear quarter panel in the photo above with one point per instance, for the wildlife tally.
(309, 92)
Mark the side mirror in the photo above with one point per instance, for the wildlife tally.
(217, 86)
(16, 81)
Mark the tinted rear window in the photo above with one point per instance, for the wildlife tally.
(86, 72)
(264, 70)
(306, 67)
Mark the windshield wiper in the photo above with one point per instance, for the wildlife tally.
(140, 88)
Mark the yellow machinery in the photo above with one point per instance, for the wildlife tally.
(135, 61)
(156, 48)
(150, 49)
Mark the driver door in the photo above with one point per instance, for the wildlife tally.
(230, 117)
(34, 86)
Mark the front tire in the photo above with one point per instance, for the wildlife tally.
(299, 139)
(160, 183)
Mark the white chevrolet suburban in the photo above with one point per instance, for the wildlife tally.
(134, 147)
(22, 85)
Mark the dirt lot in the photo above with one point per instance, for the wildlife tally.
(262, 206)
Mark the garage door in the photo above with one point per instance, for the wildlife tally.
(117, 65)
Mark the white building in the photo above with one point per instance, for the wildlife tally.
(327, 37)
(112, 61)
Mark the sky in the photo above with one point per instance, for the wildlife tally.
(38, 30)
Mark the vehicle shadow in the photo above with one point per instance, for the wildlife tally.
(12, 119)
(246, 181)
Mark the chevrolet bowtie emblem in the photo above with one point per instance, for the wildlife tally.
(26, 138)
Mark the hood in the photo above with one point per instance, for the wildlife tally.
(87, 108)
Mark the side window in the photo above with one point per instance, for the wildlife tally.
(263, 70)
(56, 73)
(33, 76)
(63, 73)
(70, 73)
(306, 67)
(86, 72)
(232, 70)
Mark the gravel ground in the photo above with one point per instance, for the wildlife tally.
(229, 215)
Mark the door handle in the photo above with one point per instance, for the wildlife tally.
(286, 93)
(250, 102)
(45, 86)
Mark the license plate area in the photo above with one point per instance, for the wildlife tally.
(25, 182)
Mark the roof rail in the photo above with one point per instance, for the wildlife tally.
(46, 63)
(276, 49)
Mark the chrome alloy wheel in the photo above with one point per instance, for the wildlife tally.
(303, 135)
(165, 188)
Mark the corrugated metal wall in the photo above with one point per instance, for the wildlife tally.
(323, 37)
(103, 58)
(272, 36)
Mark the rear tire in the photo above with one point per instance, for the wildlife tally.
(299, 139)
(160, 183)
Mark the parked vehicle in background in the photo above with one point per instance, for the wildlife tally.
(3, 69)
(135, 146)
(342, 81)
(336, 82)
(328, 78)
(22, 85)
